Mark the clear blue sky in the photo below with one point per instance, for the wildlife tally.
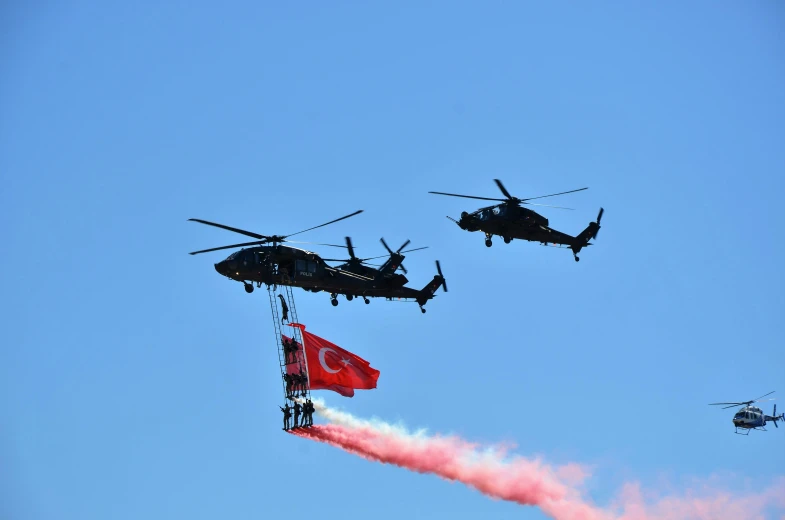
(135, 382)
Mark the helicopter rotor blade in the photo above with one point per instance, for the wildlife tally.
(383, 256)
(439, 270)
(764, 395)
(349, 246)
(402, 268)
(546, 205)
(325, 224)
(503, 189)
(554, 194)
(466, 196)
(372, 258)
(599, 218)
(228, 247)
(228, 228)
(385, 245)
(314, 243)
(404, 245)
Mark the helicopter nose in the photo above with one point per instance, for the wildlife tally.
(221, 267)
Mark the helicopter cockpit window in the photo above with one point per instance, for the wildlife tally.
(233, 255)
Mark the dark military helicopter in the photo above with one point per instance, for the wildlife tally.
(277, 264)
(359, 266)
(751, 417)
(509, 220)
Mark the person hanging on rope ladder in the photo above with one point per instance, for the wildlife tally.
(284, 309)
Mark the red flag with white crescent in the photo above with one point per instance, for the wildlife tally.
(332, 368)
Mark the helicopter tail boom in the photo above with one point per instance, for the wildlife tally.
(774, 418)
(590, 233)
(427, 292)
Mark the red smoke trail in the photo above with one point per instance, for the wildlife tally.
(521, 481)
(553, 489)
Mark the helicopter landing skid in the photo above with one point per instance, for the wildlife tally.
(746, 431)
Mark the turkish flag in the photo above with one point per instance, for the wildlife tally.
(332, 368)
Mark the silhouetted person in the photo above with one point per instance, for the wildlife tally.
(297, 409)
(284, 308)
(303, 381)
(295, 347)
(287, 351)
(286, 414)
(308, 418)
(288, 379)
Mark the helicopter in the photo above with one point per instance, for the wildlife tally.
(751, 417)
(510, 220)
(278, 264)
(358, 265)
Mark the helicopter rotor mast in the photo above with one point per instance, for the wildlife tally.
(264, 239)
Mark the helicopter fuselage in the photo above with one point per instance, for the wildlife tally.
(285, 265)
(504, 220)
(749, 417)
(511, 221)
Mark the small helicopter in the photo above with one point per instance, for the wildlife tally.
(509, 220)
(751, 417)
(278, 264)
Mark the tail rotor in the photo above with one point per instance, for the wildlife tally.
(599, 218)
(444, 280)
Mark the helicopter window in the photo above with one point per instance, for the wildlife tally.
(233, 255)
(300, 265)
(311, 267)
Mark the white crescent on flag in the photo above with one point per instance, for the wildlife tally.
(323, 362)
